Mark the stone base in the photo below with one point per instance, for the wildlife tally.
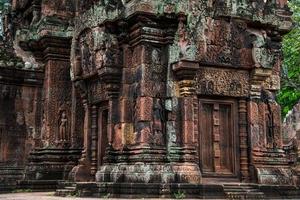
(148, 190)
(10, 175)
(80, 173)
(280, 192)
(297, 175)
(183, 190)
(38, 185)
(51, 164)
(275, 175)
(150, 173)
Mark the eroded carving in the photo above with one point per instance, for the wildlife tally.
(222, 82)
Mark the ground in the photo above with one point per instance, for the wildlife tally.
(41, 196)
(38, 196)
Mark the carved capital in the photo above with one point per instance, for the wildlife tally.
(110, 74)
(186, 87)
(258, 77)
(185, 72)
(48, 48)
(149, 29)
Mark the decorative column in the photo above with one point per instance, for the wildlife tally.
(94, 138)
(258, 76)
(54, 53)
(268, 164)
(185, 72)
(243, 133)
(139, 139)
(82, 172)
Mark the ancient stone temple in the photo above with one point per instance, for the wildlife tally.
(148, 97)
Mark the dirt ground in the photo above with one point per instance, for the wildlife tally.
(42, 196)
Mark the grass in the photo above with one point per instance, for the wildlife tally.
(179, 194)
(22, 190)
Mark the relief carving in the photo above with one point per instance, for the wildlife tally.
(63, 127)
(222, 82)
(207, 87)
(87, 60)
(272, 123)
(158, 119)
(106, 49)
(261, 53)
(157, 67)
(97, 91)
(96, 50)
(183, 48)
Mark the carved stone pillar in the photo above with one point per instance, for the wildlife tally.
(243, 133)
(258, 76)
(54, 53)
(185, 72)
(143, 146)
(77, 120)
(82, 172)
(94, 138)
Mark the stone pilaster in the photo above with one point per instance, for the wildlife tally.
(244, 140)
(54, 53)
(185, 72)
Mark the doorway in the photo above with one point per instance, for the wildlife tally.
(218, 139)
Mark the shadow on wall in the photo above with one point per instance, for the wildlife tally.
(16, 136)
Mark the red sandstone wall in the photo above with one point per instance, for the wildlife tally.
(19, 122)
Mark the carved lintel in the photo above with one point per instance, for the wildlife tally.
(223, 82)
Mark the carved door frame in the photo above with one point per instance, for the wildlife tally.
(217, 173)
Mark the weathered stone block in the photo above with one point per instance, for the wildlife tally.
(144, 108)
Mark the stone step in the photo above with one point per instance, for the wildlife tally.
(241, 190)
(65, 192)
(250, 196)
(62, 184)
(238, 186)
(66, 189)
(245, 188)
(70, 188)
(38, 185)
(5, 188)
